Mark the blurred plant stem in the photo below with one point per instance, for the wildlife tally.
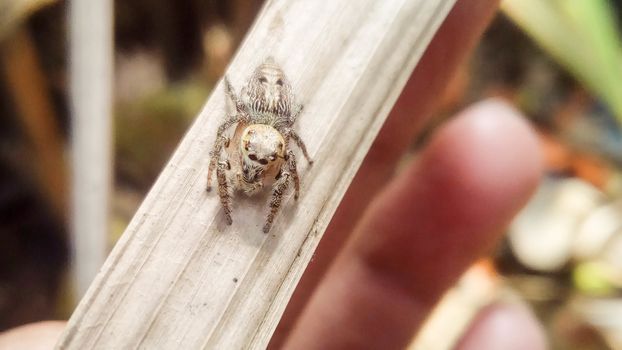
(244, 14)
(28, 87)
(90, 72)
(582, 35)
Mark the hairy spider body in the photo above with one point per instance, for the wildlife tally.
(258, 153)
(265, 155)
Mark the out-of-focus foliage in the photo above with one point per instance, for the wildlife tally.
(12, 12)
(148, 130)
(582, 35)
(593, 278)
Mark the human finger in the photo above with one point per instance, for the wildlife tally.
(32, 336)
(443, 212)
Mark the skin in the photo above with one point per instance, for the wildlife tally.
(416, 238)
(382, 266)
(33, 336)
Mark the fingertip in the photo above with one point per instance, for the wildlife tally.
(499, 124)
(504, 326)
(453, 203)
(490, 154)
(37, 335)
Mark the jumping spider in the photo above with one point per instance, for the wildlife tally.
(258, 154)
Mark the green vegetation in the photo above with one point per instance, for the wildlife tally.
(582, 35)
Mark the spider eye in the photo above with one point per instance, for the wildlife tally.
(252, 157)
(272, 157)
(263, 161)
(279, 82)
(263, 80)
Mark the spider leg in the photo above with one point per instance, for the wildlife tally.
(221, 141)
(244, 95)
(239, 116)
(237, 102)
(278, 190)
(300, 144)
(291, 165)
(224, 189)
(296, 110)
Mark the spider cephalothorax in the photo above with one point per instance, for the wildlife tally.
(258, 154)
(268, 91)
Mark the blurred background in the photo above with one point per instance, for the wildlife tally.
(558, 61)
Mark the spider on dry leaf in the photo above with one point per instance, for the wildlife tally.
(258, 154)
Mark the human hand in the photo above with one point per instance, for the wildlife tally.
(381, 268)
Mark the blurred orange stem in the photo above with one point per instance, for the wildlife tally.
(28, 86)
